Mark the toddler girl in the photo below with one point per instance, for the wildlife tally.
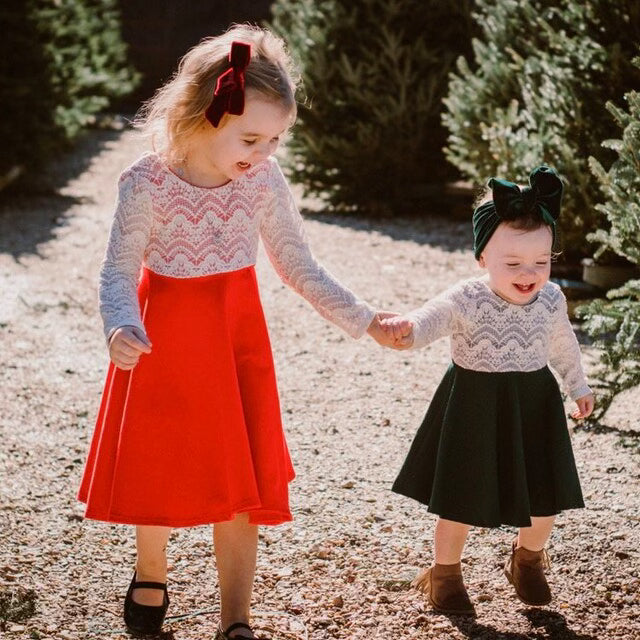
(494, 446)
(189, 429)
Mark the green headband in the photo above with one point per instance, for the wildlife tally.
(542, 196)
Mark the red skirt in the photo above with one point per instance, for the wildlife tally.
(192, 435)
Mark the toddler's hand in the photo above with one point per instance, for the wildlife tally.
(376, 331)
(126, 346)
(400, 330)
(585, 407)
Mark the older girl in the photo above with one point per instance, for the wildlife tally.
(189, 429)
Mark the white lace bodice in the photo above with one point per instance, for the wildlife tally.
(177, 229)
(491, 334)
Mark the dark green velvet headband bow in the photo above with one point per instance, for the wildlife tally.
(541, 197)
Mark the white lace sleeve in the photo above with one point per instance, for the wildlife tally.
(564, 353)
(286, 245)
(433, 320)
(120, 270)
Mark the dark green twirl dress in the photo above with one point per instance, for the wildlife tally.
(494, 447)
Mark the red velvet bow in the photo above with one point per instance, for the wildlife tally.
(228, 96)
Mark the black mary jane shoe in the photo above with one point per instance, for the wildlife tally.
(224, 635)
(143, 619)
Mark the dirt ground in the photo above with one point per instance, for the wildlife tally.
(342, 568)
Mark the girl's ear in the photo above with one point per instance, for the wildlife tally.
(481, 261)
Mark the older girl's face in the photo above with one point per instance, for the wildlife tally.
(241, 142)
(518, 262)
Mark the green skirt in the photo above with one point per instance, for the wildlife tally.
(493, 449)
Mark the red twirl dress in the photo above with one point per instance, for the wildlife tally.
(193, 434)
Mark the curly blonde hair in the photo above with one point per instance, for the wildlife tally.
(177, 110)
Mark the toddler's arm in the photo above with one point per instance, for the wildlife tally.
(585, 407)
(399, 330)
(418, 328)
(565, 358)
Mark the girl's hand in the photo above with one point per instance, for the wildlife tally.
(401, 329)
(126, 346)
(375, 330)
(384, 335)
(585, 407)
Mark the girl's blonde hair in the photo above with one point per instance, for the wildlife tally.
(177, 109)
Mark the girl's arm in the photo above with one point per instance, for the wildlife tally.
(564, 353)
(120, 270)
(286, 245)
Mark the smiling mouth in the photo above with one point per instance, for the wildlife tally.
(524, 288)
(243, 165)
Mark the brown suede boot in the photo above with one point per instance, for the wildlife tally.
(443, 586)
(525, 571)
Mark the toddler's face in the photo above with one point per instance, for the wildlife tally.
(518, 262)
(244, 141)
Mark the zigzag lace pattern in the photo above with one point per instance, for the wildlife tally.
(492, 335)
(179, 230)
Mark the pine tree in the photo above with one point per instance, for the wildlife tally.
(535, 92)
(61, 63)
(374, 73)
(615, 323)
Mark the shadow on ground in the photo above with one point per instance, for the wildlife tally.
(552, 625)
(450, 233)
(31, 210)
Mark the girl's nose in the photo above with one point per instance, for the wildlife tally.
(264, 150)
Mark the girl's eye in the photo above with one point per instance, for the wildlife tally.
(512, 264)
(542, 264)
(249, 142)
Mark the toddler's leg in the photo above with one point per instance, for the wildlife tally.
(442, 582)
(448, 541)
(236, 546)
(151, 565)
(525, 568)
(535, 537)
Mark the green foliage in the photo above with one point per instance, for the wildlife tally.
(621, 185)
(615, 323)
(542, 72)
(374, 74)
(62, 62)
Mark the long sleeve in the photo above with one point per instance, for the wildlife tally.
(286, 245)
(564, 353)
(120, 270)
(433, 320)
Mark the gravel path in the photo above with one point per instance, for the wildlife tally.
(342, 568)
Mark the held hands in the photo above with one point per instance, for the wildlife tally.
(126, 346)
(391, 330)
(585, 407)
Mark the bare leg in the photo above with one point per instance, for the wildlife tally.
(535, 537)
(449, 539)
(236, 548)
(442, 583)
(151, 566)
(525, 568)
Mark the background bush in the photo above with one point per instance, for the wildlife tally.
(535, 92)
(374, 74)
(615, 323)
(61, 62)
